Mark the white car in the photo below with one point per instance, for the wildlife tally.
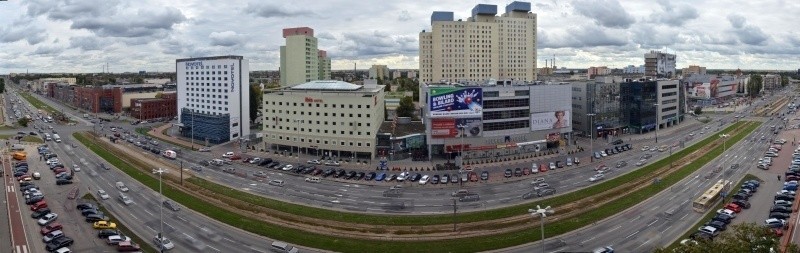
(255, 160)
(603, 153)
(641, 162)
(782, 203)
(727, 212)
(204, 150)
(76, 168)
(313, 162)
(163, 243)
(47, 219)
(288, 167)
(424, 179)
(596, 178)
(103, 194)
(402, 176)
(227, 155)
(645, 148)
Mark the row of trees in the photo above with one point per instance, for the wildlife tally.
(754, 85)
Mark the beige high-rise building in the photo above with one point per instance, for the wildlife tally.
(379, 71)
(301, 60)
(482, 47)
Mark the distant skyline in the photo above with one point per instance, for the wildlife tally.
(48, 36)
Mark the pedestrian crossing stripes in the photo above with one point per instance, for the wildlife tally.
(21, 249)
(10, 188)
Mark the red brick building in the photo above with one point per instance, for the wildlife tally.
(93, 99)
(152, 108)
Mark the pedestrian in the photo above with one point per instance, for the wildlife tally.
(779, 178)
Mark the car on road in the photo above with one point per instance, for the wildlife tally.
(606, 249)
(171, 206)
(641, 162)
(424, 179)
(596, 177)
(105, 233)
(484, 175)
(116, 239)
(507, 173)
(645, 148)
(621, 164)
(163, 243)
(518, 172)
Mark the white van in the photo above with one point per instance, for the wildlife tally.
(278, 246)
(276, 182)
(312, 179)
(56, 137)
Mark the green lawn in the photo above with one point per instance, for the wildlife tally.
(31, 138)
(145, 131)
(472, 244)
(37, 103)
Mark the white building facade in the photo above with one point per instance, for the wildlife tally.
(485, 46)
(213, 98)
(324, 118)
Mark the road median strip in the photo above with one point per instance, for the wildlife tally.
(462, 244)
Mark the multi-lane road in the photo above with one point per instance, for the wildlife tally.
(634, 224)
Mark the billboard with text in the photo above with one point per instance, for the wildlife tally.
(456, 128)
(458, 102)
(550, 120)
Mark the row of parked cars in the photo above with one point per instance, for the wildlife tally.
(62, 174)
(724, 216)
(612, 151)
(52, 235)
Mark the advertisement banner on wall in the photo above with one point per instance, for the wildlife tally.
(455, 102)
(456, 128)
(550, 120)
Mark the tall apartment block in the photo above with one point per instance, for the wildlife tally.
(301, 60)
(213, 98)
(658, 64)
(485, 46)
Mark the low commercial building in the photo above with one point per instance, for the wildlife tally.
(647, 104)
(155, 108)
(495, 117)
(707, 90)
(324, 118)
(90, 98)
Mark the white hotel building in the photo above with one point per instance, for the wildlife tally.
(330, 118)
(213, 98)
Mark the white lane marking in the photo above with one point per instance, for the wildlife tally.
(615, 228)
(584, 241)
(631, 235)
(653, 222)
(213, 248)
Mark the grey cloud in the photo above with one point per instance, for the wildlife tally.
(144, 23)
(752, 35)
(32, 34)
(737, 21)
(674, 15)
(48, 50)
(581, 37)
(225, 39)
(86, 43)
(66, 10)
(375, 43)
(404, 16)
(325, 36)
(648, 36)
(608, 13)
(273, 11)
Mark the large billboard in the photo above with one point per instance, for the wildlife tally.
(456, 128)
(458, 102)
(550, 120)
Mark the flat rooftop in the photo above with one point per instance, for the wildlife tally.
(414, 127)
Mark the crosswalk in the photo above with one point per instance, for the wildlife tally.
(10, 188)
(21, 249)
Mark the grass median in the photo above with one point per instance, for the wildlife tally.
(143, 245)
(37, 103)
(472, 244)
(146, 131)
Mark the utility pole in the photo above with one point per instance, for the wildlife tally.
(455, 209)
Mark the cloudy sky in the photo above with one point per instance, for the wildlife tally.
(82, 35)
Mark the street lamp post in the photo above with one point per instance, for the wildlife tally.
(160, 171)
(541, 212)
(657, 125)
(591, 135)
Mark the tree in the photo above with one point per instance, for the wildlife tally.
(255, 101)
(784, 80)
(23, 121)
(746, 237)
(406, 108)
(2, 85)
(754, 85)
(698, 110)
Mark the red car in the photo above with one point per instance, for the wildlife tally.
(235, 157)
(733, 207)
(59, 170)
(51, 227)
(543, 167)
(23, 177)
(600, 167)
